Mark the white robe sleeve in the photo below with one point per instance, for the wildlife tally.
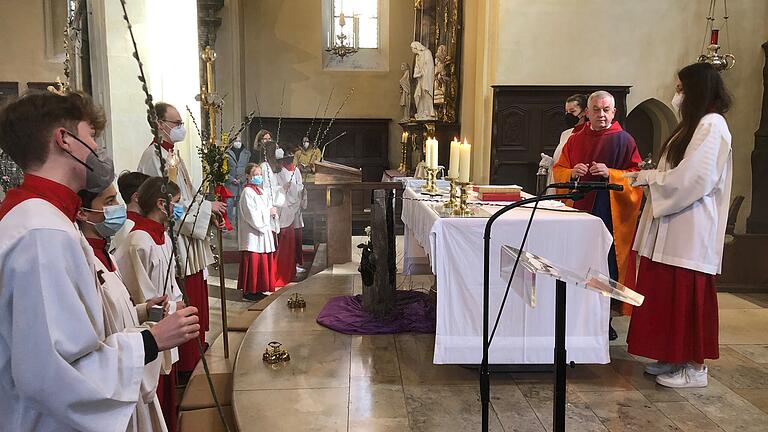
(695, 177)
(133, 260)
(57, 337)
(251, 212)
(198, 219)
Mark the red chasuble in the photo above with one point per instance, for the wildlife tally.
(615, 148)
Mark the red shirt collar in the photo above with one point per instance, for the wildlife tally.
(99, 247)
(167, 145)
(60, 196)
(156, 230)
(132, 215)
(614, 128)
(254, 187)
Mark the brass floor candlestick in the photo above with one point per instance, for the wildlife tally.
(462, 209)
(403, 168)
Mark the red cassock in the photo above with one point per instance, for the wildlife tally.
(196, 289)
(678, 321)
(166, 395)
(257, 272)
(285, 270)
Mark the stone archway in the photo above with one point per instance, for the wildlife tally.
(650, 123)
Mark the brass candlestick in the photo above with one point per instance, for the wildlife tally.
(451, 203)
(403, 168)
(296, 301)
(430, 187)
(275, 353)
(462, 209)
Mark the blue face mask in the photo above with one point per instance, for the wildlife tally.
(114, 218)
(257, 180)
(178, 211)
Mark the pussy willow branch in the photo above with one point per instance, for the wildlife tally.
(325, 111)
(349, 94)
(203, 138)
(248, 119)
(280, 116)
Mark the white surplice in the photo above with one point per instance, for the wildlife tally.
(558, 151)
(144, 266)
(58, 369)
(273, 191)
(120, 236)
(289, 211)
(254, 230)
(194, 230)
(684, 218)
(120, 314)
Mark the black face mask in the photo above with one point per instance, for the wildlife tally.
(570, 120)
(100, 170)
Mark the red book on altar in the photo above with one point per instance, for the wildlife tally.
(491, 196)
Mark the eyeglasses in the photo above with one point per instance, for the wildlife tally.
(177, 123)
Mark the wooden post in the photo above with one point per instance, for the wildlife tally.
(379, 297)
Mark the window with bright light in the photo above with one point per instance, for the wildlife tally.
(361, 22)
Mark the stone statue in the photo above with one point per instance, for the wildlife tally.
(405, 91)
(424, 73)
(441, 75)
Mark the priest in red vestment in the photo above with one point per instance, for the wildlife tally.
(603, 151)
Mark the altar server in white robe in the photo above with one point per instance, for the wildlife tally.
(128, 185)
(58, 369)
(292, 187)
(681, 236)
(255, 238)
(270, 167)
(100, 217)
(146, 262)
(193, 232)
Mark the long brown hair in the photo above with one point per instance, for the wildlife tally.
(705, 93)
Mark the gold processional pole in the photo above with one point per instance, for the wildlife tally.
(209, 100)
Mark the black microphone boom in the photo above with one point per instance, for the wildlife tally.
(587, 186)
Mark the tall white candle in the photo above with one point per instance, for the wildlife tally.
(453, 167)
(427, 148)
(466, 150)
(433, 154)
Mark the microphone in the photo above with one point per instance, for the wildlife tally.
(587, 186)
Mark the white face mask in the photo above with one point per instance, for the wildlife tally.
(177, 134)
(677, 101)
(305, 144)
(237, 144)
(279, 153)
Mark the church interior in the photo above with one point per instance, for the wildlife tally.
(433, 284)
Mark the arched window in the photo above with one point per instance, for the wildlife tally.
(365, 27)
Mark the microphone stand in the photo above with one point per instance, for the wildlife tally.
(485, 377)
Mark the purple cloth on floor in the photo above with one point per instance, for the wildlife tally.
(413, 312)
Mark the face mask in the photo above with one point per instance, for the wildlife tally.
(114, 218)
(570, 120)
(677, 101)
(177, 134)
(100, 171)
(279, 153)
(178, 211)
(237, 144)
(257, 180)
(305, 144)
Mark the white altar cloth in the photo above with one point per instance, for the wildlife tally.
(454, 247)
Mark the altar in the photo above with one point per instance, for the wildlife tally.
(452, 248)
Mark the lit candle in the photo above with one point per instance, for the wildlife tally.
(433, 154)
(453, 169)
(466, 149)
(405, 137)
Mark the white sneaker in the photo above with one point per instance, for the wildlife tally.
(685, 377)
(660, 368)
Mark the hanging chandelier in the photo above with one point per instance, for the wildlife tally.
(721, 62)
(342, 47)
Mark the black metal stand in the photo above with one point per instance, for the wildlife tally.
(485, 376)
(558, 407)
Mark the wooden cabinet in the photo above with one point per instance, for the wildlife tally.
(528, 121)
